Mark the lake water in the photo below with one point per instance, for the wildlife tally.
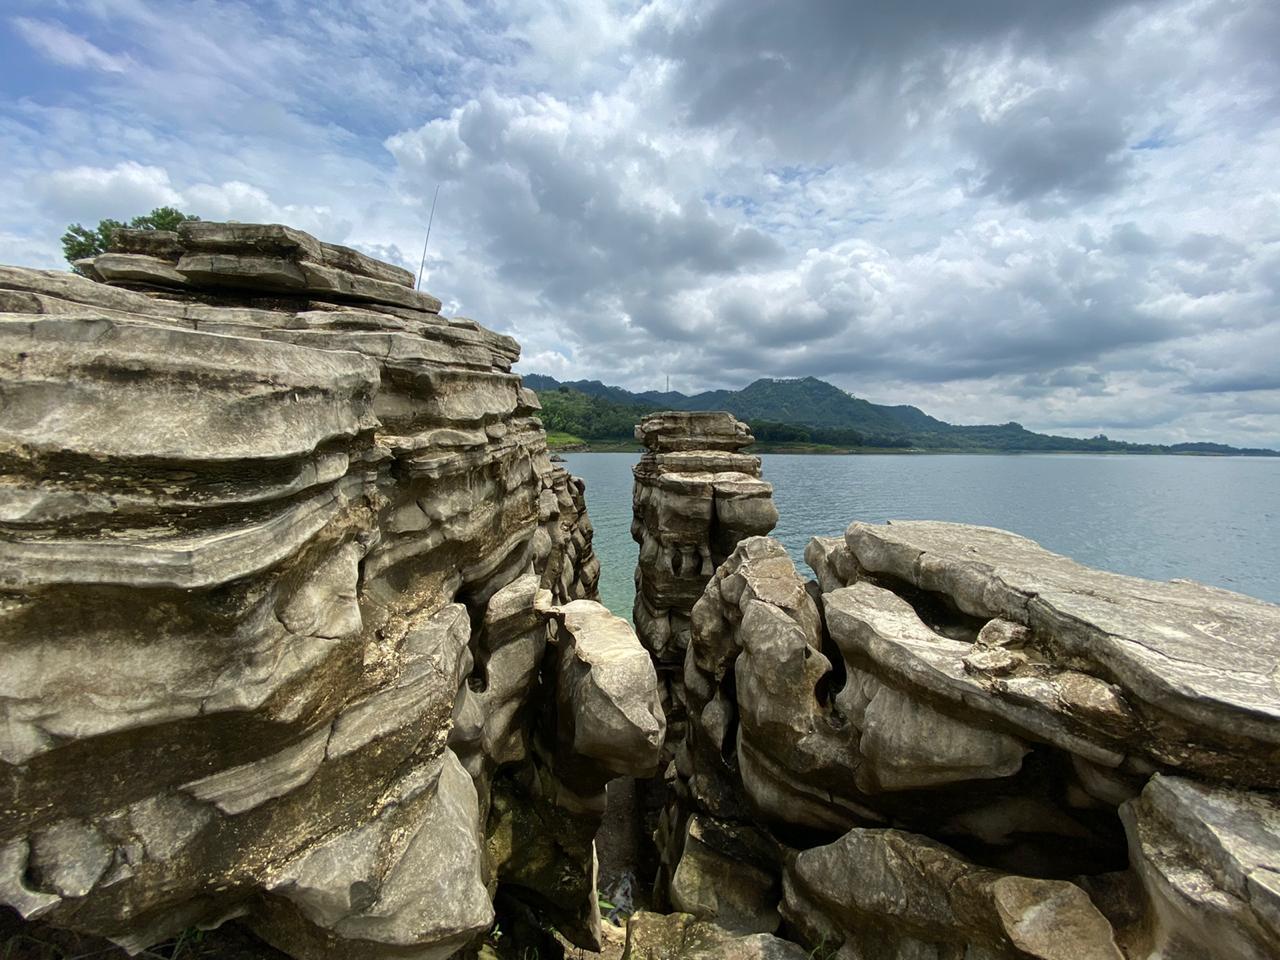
(1216, 520)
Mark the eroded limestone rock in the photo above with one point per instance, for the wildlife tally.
(410, 878)
(696, 495)
(609, 709)
(1179, 674)
(888, 894)
(679, 936)
(953, 743)
(724, 872)
(279, 547)
(1208, 858)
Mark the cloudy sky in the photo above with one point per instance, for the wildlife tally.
(1063, 213)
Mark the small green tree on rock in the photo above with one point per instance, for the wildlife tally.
(80, 241)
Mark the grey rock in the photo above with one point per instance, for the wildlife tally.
(885, 893)
(237, 271)
(797, 759)
(425, 671)
(696, 496)
(334, 282)
(712, 883)
(274, 401)
(327, 605)
(352, 261)
(908, 745)
(683, 430)
(608, 690)
(257, 259)
(136, 268)
(249, 785)
(15, 890)
(1179, 672)
(875, 626)
(58, 291)
(83, 266)
(162, 244)
(408, 879)
(963, 684)
(163, 825)
(514, 641)
(679, 936)
(249, 239)
(1208, 858)
(831, 563)
(69, 857)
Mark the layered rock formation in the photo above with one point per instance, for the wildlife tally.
(954, 743)
(696, 496)
(296, 613)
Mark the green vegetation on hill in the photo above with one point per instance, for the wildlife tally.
(809, 401)
(572, 412)
(813, 414)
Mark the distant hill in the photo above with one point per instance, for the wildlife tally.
(809, 402)
(810, 411)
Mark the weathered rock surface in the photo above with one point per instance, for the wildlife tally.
(604, 720)
(281, 551)
(696, 496)
(1178, 674)
(954, 743)
(679, 936)
(609, 694)
(1208, 859)
(888, 894)
(724, 873)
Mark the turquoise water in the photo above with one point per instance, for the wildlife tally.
(1207, 519)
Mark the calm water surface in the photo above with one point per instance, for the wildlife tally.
(1213, 520)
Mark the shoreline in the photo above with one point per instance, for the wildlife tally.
(619, 446)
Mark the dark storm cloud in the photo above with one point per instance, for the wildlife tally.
(1244, 382)
(1054, 144)
(1128, 238)
(1078, 377)
(847, 74)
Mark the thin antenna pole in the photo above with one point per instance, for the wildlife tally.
(422, 266)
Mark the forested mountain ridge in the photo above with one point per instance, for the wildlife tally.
(810, 411)
(808, 402)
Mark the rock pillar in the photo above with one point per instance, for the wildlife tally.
(696, 496)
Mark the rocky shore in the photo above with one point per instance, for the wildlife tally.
(955, 743)
(300, 639)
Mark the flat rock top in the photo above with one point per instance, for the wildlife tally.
(1208, 655)
(600, 637)
(680, 430)
(258, 258)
